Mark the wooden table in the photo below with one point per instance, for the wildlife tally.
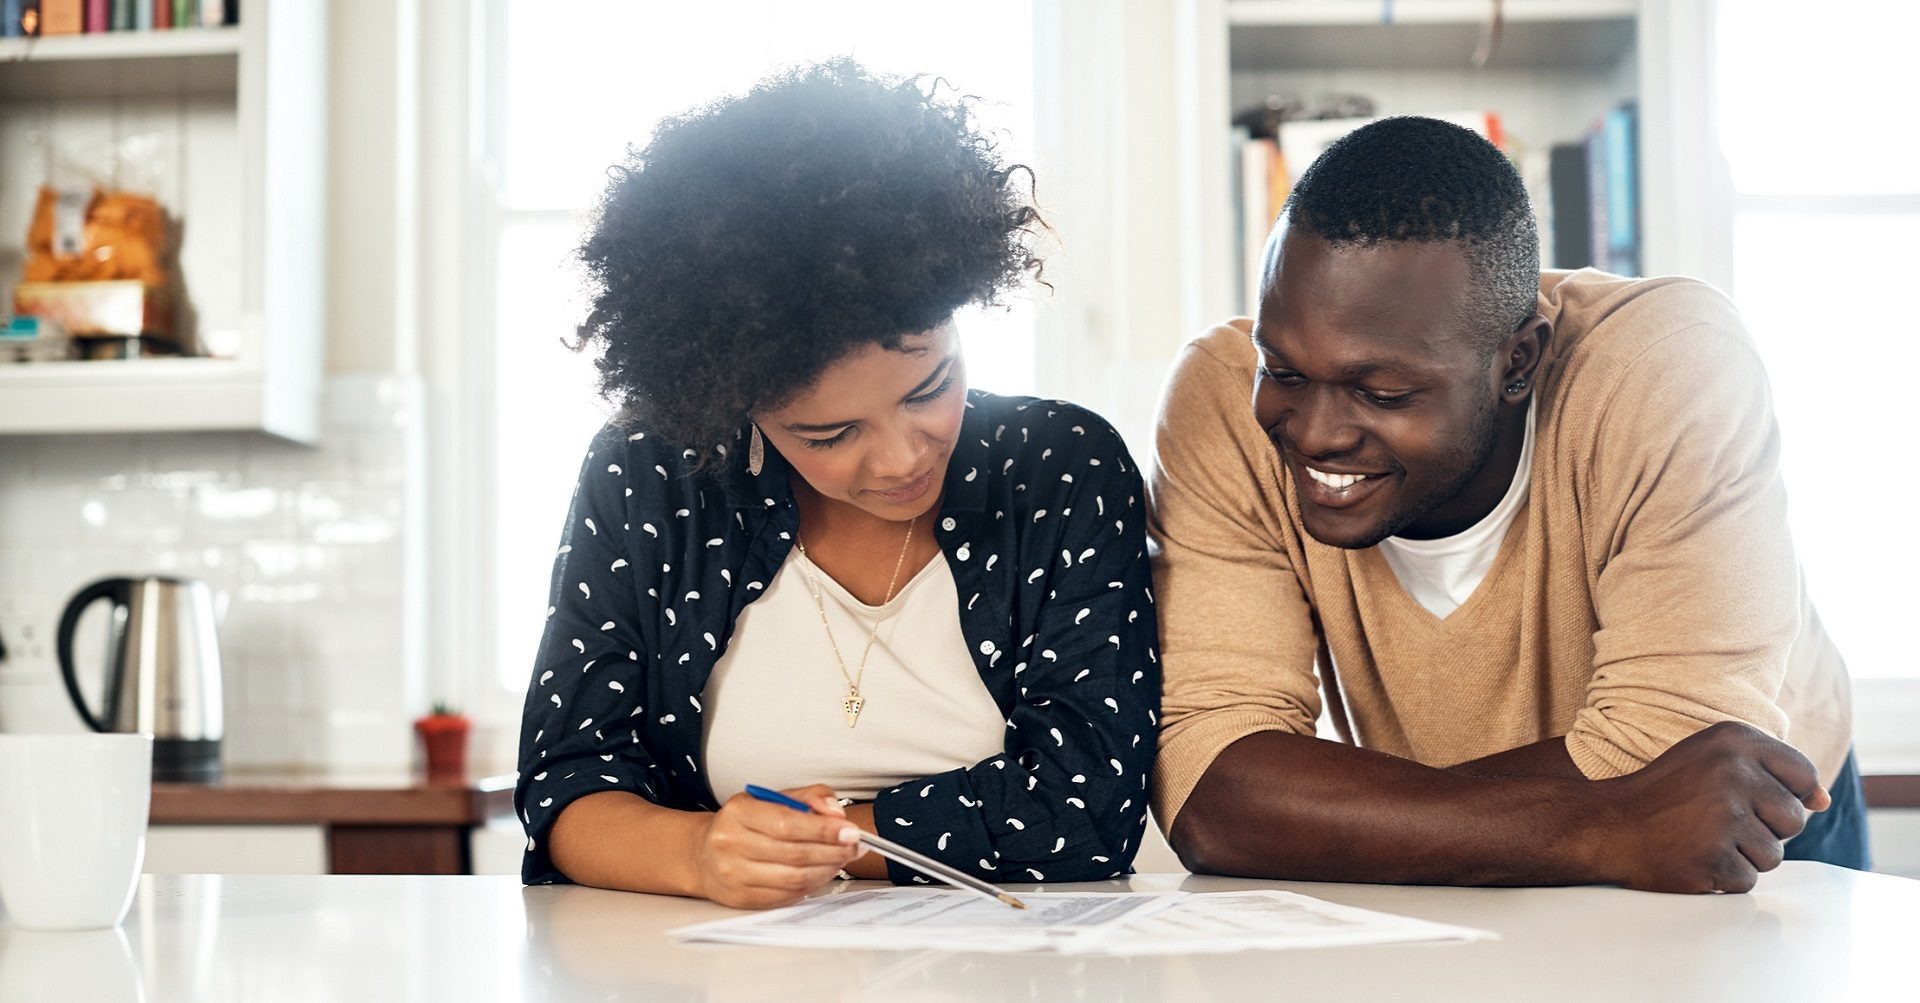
(1808, 932)
(374, 825)
(1891, 790)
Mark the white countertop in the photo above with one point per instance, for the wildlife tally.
(1808, 932)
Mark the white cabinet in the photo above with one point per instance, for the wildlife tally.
(235, 120)
(1559, 64)
(236, 849)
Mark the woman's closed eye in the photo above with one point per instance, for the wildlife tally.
(828, 443)
(936, 393)
(926, 398)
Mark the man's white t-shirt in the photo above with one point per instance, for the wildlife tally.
(1441, 574)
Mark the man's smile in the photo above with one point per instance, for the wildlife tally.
(1335, 489)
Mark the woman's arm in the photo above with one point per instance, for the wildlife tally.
(589, 676)
(748, 855)
(1067, 800)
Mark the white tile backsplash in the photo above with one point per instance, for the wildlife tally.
(317, 554)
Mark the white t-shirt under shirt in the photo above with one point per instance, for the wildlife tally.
(773, 713)
(1441, 574)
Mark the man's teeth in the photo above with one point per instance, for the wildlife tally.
(1338, 482)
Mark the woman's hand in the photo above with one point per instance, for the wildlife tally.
(755, 855)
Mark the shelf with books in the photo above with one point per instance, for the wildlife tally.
(1402, 12)
(117, 64)
(228, 129)
(1429, 34)
(1587, 63)
(170, 44)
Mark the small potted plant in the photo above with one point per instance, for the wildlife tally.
(445, 734)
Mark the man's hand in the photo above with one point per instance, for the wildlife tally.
(755, 855)
(1710, 814)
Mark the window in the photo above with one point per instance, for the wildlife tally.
(1813, 103)
(554, 70)
(1814, 109)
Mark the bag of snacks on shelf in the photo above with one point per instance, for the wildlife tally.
(95, 236)
(100, 262)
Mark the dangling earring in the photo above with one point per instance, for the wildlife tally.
(756, 451)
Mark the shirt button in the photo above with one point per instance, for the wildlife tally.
(948, 524)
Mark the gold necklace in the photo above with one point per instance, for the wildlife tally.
(853, 701)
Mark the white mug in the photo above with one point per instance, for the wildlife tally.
(73, 827)
(93, 965)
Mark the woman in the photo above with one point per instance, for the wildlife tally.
(809, 557)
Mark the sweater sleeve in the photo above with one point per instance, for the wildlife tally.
(1696, 600)
(1237, 635)
(575, 738)
(1068, 799)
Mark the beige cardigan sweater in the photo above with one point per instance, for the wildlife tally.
(1647, 589)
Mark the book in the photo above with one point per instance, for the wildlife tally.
(186, 13)
(1302, 142)
(9, 18)
(162, 15)
(61, 17)
(1620, 140)
(1594, 152)
(96, 16)
(1258, 160)
(142, 15)
(1572, 220)
(1536, 173)
(120, 15)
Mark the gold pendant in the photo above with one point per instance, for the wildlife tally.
(851, 703)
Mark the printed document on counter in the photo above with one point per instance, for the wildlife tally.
(1071, 923)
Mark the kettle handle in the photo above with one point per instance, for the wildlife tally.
(120, 591)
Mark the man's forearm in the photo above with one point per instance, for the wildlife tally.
(1546, 758)
(1292, 806)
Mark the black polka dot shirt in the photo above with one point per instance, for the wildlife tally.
(1043, 526)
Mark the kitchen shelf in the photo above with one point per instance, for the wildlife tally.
(169, 44)
(227, 127)
(153, 395)
(186, 61)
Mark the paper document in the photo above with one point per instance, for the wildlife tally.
(896, 918)
(1215, 922)
(1071, 923)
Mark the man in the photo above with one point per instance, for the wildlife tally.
(1531, 531)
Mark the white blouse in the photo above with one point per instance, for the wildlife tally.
(773, 704)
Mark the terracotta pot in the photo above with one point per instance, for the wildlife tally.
(446, 740)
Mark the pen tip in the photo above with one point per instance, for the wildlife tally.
(1014, 902)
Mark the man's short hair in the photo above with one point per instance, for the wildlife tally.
(1412, 178)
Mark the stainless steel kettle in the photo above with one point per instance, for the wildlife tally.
(163, 670)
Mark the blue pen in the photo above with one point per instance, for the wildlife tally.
(894, 851)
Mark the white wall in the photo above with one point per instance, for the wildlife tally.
(372, 210)
(316, 556)
(1109, 184)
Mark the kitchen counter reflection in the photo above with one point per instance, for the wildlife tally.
(1808, 932)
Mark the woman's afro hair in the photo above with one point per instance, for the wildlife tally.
(755, 241)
